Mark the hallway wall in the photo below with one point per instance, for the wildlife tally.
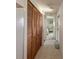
(60, 26)
(19, 33)
(21, 2)
(23, 36)
(44, 28)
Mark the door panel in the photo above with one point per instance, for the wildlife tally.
(34, 31)
(29, 32)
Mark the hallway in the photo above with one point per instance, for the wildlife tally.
(48, 52)
(43, 27)
(43, 30)
(49, 42)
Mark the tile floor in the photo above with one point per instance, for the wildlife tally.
(48, 52)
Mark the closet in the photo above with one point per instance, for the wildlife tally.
(34, 30)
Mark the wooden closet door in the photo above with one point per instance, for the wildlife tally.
(35, 24)
(41, 24)
(29, 32)
(37, 31)
(34, 34)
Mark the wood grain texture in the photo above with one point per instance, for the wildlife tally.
(34, 39)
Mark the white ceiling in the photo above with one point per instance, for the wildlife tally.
(48, 6)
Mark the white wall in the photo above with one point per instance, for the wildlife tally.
(44, 29)
(21, 2)
(21, 12)
(25, 32)
(19, 33)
